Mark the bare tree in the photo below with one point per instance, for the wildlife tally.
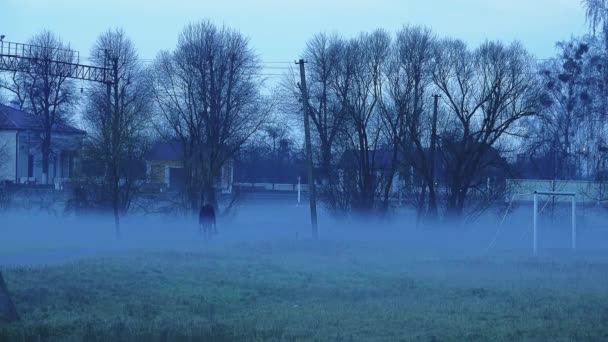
(208, 96)
(405, 113)
(117, 116)
(596, 12)
(554, 137)
(359, 86)
(486, 93)
(42, 92)
(322, 55)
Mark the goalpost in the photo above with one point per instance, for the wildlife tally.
(572, 195)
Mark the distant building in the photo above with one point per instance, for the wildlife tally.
(493, 171)
(165, 166)
(381, 161)
(20, 140)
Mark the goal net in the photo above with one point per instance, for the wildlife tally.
(539, 194)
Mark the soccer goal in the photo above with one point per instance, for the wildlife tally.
(572, 195)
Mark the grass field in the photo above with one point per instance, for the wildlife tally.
(300, 290)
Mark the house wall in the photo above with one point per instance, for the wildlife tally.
(159, 173)
(63, 149)
(158, 167)
(8, 142)
(23, 141)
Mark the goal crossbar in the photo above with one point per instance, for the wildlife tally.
(553, 193)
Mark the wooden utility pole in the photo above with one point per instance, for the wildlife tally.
(311, 181)
(432, 197)
(115, 121)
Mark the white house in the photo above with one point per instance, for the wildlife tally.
(20, 154)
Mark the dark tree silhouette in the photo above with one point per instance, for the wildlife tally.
(117, 125)
(486, 93)
(208, 95)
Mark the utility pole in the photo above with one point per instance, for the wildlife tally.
(432, 197)
(311, 181)
(114, 112)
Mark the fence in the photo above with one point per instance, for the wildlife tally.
(586, 191)
(271, 186)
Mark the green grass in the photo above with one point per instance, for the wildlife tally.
(306, 291)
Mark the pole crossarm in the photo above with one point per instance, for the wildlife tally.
(17, 57)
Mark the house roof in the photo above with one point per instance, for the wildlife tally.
(18, 120)
(382, 158)
(172, 150)
(166, 150)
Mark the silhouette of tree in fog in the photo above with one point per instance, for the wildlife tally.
(208, 96)
(117, 126)
(322, 55)
(405, 113)
(360, 90)
(486, 93)
(553, 136)
(40, 91)
(596, 12)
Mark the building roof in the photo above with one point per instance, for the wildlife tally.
(173, 150)
(167, 151)
(382, 158)
(18, 120)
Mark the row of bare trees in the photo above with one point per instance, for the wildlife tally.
(206, 93)
(372, 113)
(567, 140)
(372, 109)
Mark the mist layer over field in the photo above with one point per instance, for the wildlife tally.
(264, 278)
(28, 235)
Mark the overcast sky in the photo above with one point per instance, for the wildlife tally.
(279, 29)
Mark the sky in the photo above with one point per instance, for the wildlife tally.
(278, 29)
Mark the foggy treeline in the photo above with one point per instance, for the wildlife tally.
(404, 117)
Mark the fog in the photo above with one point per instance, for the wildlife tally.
(30, 237)
(263, 275)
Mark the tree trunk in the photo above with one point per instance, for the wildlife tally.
(209, 195)
(326, 176)
(8, 313)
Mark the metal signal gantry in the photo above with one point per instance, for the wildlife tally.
(18, 57)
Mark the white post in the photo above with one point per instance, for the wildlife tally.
(299, 190)
(573, 223)
(535, 231)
